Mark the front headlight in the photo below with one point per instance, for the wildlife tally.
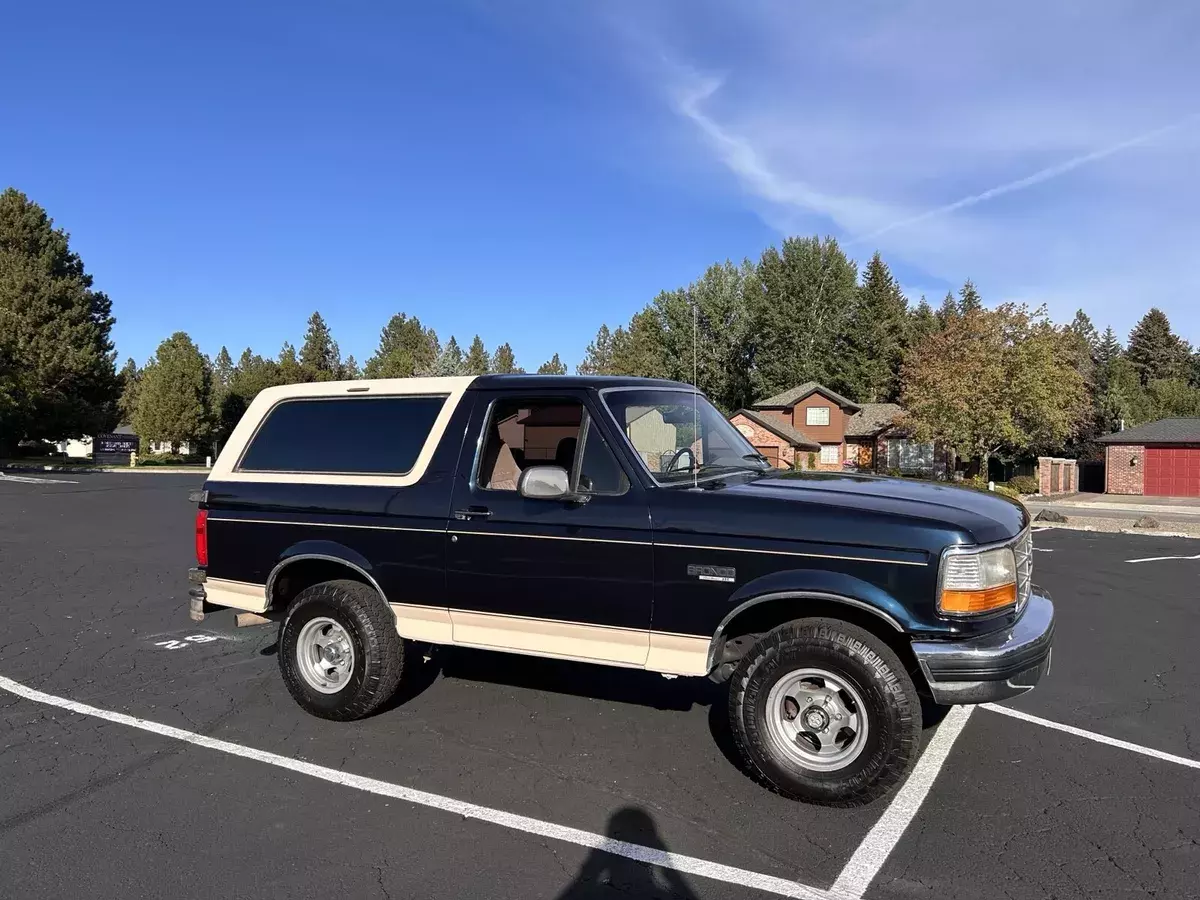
(972, 582)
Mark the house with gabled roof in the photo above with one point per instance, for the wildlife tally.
(812, 426)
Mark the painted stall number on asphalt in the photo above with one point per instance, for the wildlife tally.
(188, 641)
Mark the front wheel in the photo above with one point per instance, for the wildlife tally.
(824, 711)
(339, 653)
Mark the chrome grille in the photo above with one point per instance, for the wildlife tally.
(1023, 550)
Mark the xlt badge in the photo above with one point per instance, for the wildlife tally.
(713, 573)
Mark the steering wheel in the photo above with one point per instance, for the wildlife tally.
(673, 465)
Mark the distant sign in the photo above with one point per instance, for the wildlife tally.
(115, 443)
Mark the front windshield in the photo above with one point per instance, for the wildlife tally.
(680, 435)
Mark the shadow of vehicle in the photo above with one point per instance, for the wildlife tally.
(579, 679)
(605, 874)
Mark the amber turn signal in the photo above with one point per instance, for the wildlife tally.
(967, 602)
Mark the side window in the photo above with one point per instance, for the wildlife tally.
(523, 433)
(343, 435)
(599, 471)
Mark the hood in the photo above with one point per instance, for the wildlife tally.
(983, 518)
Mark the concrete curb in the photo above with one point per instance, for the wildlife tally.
(1071, 526)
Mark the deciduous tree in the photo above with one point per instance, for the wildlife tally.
(994, 380)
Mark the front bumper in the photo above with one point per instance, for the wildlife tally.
(995, 666)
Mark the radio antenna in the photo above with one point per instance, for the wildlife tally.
(695, 401)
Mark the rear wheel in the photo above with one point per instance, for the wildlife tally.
(339, 653)
(824, 711)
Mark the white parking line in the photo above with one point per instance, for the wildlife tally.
(1093, 736)
(1161, 558)
(24, 479)
(638, 852)
(882, 839)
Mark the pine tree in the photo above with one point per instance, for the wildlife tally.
(640, 350)
(173, 402)
(319, 355)
(477, 361)
(290, 370)
(57, 373)
(800, 312)
(969, 299)
(503, 361)
(922, 322)
(405, 349)
(350, 370)
(700, 333)
(552, 366)
(450, 360)
(1155, 351)
(598, 358)
(222, 369)
(949, 310)
(878, 335)
(130, 379)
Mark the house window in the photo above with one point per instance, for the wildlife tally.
(829, 453)
(816, 415)
(909, 456)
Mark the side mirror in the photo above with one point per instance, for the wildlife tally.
(545, 483)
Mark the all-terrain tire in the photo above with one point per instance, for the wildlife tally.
(379, 652)
(866, 664)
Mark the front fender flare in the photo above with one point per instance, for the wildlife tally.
(816, 584)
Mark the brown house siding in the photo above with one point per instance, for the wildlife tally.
(1123, 469)
(833, 433)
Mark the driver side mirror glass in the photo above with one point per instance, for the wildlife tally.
(544, 483)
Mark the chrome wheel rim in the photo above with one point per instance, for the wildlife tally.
(325, 655)
(817, 719)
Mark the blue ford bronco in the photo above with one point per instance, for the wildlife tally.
(625, 522)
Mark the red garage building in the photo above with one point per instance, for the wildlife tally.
(1160, 459)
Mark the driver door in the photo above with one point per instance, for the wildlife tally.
(568, 578)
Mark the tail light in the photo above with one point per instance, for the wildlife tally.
(202, 537)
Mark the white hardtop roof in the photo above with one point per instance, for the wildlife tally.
(369, 387)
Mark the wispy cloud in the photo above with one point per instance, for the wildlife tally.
(1039, 177)
(859, 120)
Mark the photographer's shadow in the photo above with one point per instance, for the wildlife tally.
(604, 874)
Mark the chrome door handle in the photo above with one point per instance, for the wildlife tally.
(472, 512)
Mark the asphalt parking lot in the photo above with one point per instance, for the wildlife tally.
(145, 756)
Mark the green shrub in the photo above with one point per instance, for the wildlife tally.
(1023, 484)
(812, 460)
(162, 459)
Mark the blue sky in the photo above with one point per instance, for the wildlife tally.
(529, 170)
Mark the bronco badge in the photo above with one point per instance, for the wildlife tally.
(713, 573)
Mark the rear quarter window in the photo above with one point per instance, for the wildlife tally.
(343, 435)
